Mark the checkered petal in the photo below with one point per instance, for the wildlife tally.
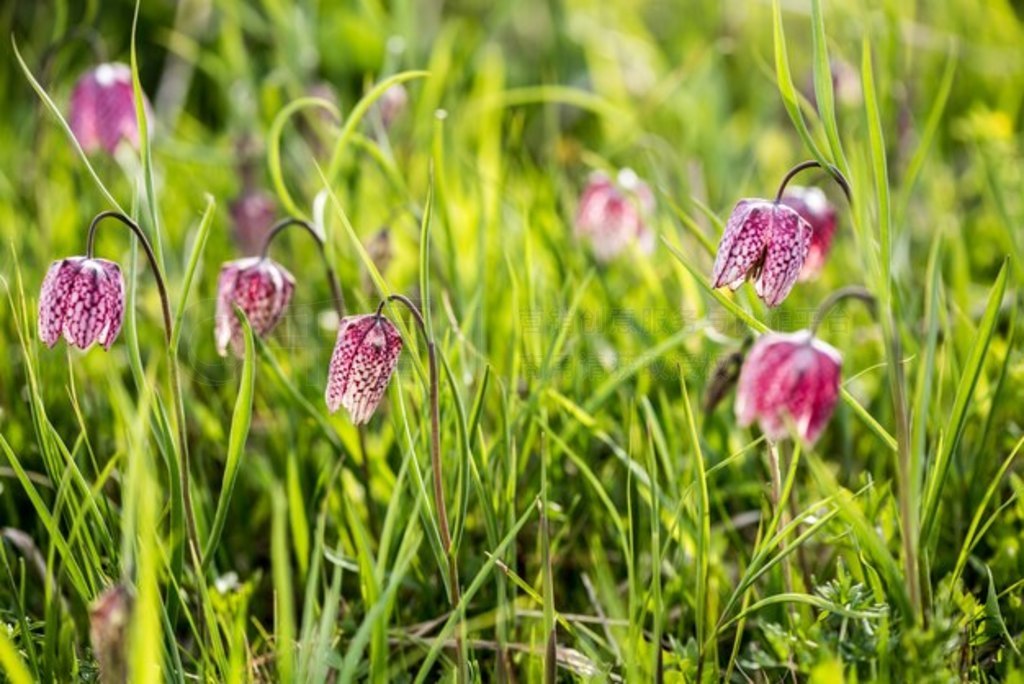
(261, 288)
(789, 239)
(814, 207)
(743, 243)
(364, 358)
(83, 300)
(789, 378)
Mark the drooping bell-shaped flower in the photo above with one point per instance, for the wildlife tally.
(766, 241)
(253, 214)
(260, 287)
(392, 103)
(789, 378)
(814, 207)
(612, 215)
(83, 300)
(365, 355)
(102, 108)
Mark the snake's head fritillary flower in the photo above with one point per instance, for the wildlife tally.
(814, 207)
(253, 214)
(765, 241)
(364, 358)
(789, 378)
(83, 300)
(613, 214)
(102, 108)
(261, 288)
(109, 617)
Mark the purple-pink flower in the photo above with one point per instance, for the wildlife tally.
(766, 241)
(392, 103)
(612, 215)
(364, 358)
(102, 108)
(261, 288)
(83, 300)
(814, 207)
(789, 378)
(253, 214)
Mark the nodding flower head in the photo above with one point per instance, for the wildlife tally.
(260, 287)
(253, 214)
(83, 300)
(109, 617)
(102, 108)
(392, 103)
(813, 207)
(364, 358)
(612, 215)
(787, 378)
(764, 240)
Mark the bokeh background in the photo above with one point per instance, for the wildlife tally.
(567, 380)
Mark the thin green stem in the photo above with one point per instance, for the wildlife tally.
(851, 292)
(175, 375)
(836, 174)
(332, 278)
(435, 461)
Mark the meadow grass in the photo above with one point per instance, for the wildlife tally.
(605, 524)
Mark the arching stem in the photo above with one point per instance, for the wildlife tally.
(178, 398)
(435, 460)
(851, 292)
(332, 278)
(837, 176)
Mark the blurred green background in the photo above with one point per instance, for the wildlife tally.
(569, 371)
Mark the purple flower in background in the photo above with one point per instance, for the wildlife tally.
(253, 214)
(103, 108)
(260, 287)
(789, 377)
(83, 300)
(392, 103)
(766, 241)
(109, 617)
(814, 207)
(364, 358)
(612, 215)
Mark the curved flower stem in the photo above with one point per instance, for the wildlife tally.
(851, 292)
(332, 278)
(435, 459)
(836, 174)
(179, 403)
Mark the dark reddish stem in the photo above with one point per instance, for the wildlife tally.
(332, 278)
(435, 457)
(851, 292)
(183, 467)
(837, 176)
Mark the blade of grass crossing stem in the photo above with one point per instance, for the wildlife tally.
(241, 418)
(145, 146)
(465, 454)
(656, 600)
(823, 88)
(931, 127)
(961, 403)
(703, 550)
(194, 259)
(55, 111)
(784, 78)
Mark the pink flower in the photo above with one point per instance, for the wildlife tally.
(83, 300)
(260, 287)
(612, 215)
(392, 103)
(766, 241)
(102, 108)
(813, 207)
(253, 213)
(789, 377)
(364, 358)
